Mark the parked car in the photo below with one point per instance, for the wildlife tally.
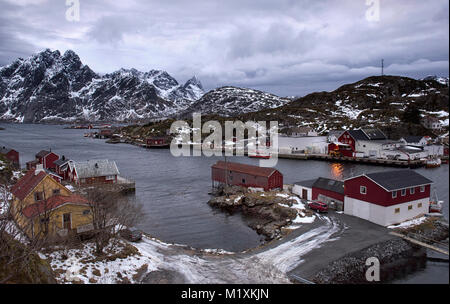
(318, 206)
(133, 235)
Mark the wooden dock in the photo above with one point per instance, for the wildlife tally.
(361, 160)
(417, 242)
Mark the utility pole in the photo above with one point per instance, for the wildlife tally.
(226, 170)
(382, 67)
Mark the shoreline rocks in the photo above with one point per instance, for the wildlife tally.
(266, 211)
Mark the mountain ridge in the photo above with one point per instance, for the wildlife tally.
(48, 86)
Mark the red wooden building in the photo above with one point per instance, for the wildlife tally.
(158, 142)
(62, 167)
(325, 189)
(45, 158)
(387, 197)
(93, 172)
(328, 191)
(341, 149)
(11, 155)
(238, 174)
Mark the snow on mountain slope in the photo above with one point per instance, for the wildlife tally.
(229, 101)
(51, 87)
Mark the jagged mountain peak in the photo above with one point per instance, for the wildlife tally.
(193, 82)
(50, 86)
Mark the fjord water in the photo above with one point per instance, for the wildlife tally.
(174, 191)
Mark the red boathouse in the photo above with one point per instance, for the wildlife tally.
(237, 174)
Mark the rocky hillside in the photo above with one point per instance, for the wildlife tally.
(390, 102)
(231, 101)
(49, 86)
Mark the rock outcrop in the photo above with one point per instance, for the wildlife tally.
(267, 212)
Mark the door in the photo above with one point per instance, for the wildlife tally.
(67, 221)
(305, 194)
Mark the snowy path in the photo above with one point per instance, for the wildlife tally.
(268, 266)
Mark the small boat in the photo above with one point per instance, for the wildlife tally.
(435, 204)
(433, 163)
(260, 155)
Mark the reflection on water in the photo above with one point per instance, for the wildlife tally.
(337, 171)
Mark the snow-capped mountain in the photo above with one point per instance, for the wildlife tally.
(49, 86)
(231, 101)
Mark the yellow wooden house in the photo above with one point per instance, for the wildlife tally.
(44, 207)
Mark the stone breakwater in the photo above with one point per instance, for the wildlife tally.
(397, 258)
(268, 212)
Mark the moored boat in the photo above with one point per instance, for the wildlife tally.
(435, 204)
(260, 155)
(433, 163)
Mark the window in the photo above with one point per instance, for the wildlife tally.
(86, 212)
(419, 205)
(38, 196)
(363, 190)
(110, 177)
(412, 190)
(397, 210)
(422, 188)
(56, 191)
(394, 194)
(410, 207)
(243, 181)
(403, 192)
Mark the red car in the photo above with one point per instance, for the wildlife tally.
(318, 206)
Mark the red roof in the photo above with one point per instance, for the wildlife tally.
(53, 203)
(27, 183)
(243, 168)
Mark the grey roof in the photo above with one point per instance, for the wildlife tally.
(61, 161)
(95, 168)
(336, 133)
(367, 134)
(329, 184)
(399, 179)
(358, 135)
(413, 139)
(374, 134)
(307, 183)
(42, 153)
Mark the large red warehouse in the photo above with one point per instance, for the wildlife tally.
(246, 175)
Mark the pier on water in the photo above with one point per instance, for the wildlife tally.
(373, 161)
(422, 241)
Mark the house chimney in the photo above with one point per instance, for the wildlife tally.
(39, 169)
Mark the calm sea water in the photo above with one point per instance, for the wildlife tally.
(174, 191)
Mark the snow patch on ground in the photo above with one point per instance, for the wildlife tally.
(410, 223)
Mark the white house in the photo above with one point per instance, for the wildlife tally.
(415, 140)
(310, 144)
(304, 189)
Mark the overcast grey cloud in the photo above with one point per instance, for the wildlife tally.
(287, 47)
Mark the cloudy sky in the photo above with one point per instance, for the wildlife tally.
(286, 47)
